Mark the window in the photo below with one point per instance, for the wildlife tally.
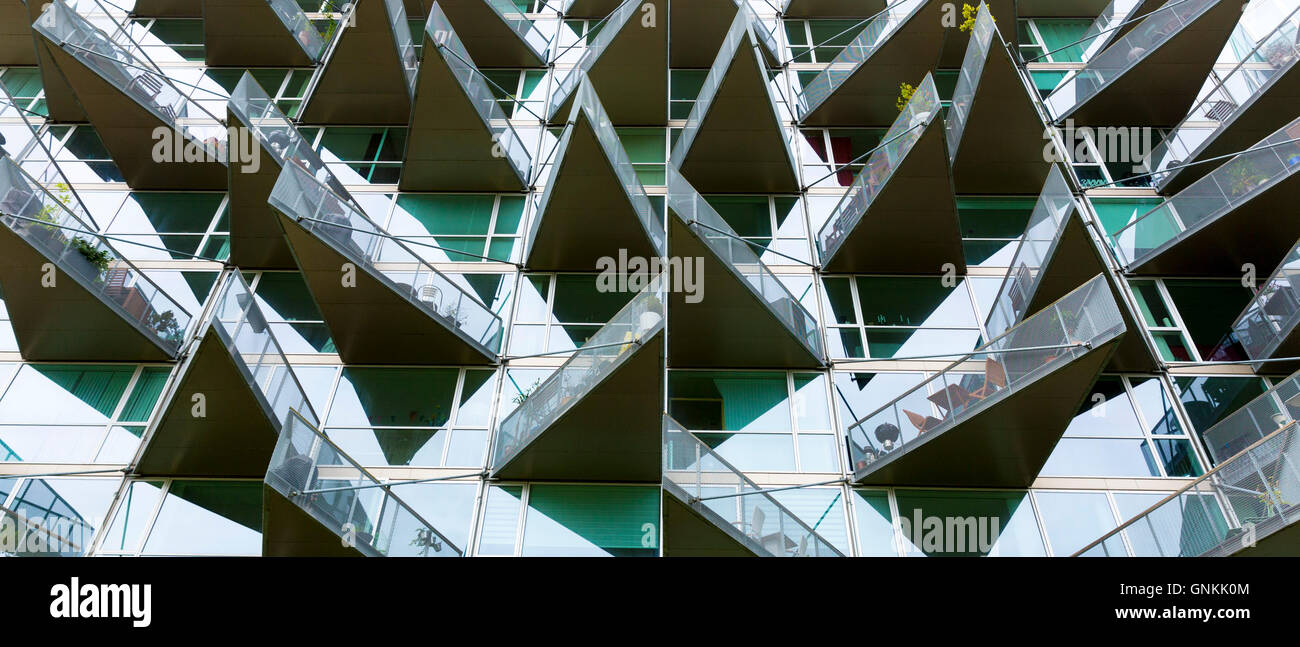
(295, 321)
(560, 312)
(859, 395)
(167, 226)
(171, 39)
(1208, 309)
(1163, 322)
(1207, 400)
(684, 89)
(774, 223)
(820, 40)
(438, 226)
(210, 517)
(1052, 39)
(364, 155)
(991, 228)
(81, 155)
(24, 84)
(874, 523)
(524, 85)
(571, 521)
(1005, 525)
(286, 87)
(1075, 519)
(68, 511)
(882, 317)
(833, 157)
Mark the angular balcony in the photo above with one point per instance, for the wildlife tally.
(956, 41)
(593, 205)
(625, 61)
(1150, 75)
(588, 421)
(747, 317)
(590, 8)
(168, 8)
(259, 33)
(994, 130)
(1059, 8)
(1257, 97)
(900, 214)
(1244, 507)
(16, 47)
(832, 8)
(711, 509)
(1117, 19)
(496, 32)
(1223, 220)
(60, 101)
(367, 72)
(459, 137)
(129, 100)
(994, 427)
(1267, 327)
(71, 296)
(256, 239)
(398, 310)
(1271, 411)
(734, 140)
(699, 29)
(222, 415)
(860, 86)
(318, 502)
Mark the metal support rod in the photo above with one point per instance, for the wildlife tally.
(777, 489)
(636, 341)
(386, 484)
(384, 234)
(966, 354)
(753, 244)
(1196, 163)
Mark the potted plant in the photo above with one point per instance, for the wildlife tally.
(526, 393)
(166, 325)
(98, 259)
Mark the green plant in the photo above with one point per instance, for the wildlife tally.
(48, 212)
(526, 393)
(100, 258)
(969, 14)
(166, 325)
(1243, 176)
(905, 92)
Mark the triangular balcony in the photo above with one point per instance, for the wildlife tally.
(832, 8)
(1266, 329)
(459, 137)
(16, 47)
(625, 61)
(131, 104)
(1223, 220)
(367, 74)
(398, 310)
(222, 415)
(60, 101)
(992, 418)
(747, 317)
(711, 509)
(1150, 75)
(593, 205)
(496, 32)
(168, 8)
(259, 33)
(595, 418)
(318, 502)
(70, 295)
(699, 30)
(900, 214)
(1117, 19)
(734, 140)
(590, 8)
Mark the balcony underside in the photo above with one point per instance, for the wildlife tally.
(362, 80)
(1005, 444)
(66, 322)
(611, 434)
(1001, 149)
(126, 129)
(489, 40)
(448, 146)
(1251, 233)
(16, 44)
(247, 33)
(731, 326)
(60, 101)
(833, 8)
(1160, 89)
(290, 531)
(741, 146)
(168, 8)
(956, 41)
(587, 213)
(235, 438)
(591, 8)
(256, 239)
(698, 29)
(911, 225)
(1277, 536)
(695, 531)
(1061, 8)
(630, 76)
(372, 323)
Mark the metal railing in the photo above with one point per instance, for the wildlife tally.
(1274, 311)
(300, 26)
(610, 28)
(972, 68)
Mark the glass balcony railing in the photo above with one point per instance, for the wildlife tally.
(1106, 28)
(1046, 223)
(403, 41)
(350, 232)
(1228, 99)
(1124, 54)
(921, 110)
(1259, 418)
(610, 27)
(1062, 332)
(694, 472)
(49, 225)
(300, 26)
(519, 23)
(477, 90)
(1226, 188)
(1272, 314)
(638, 321)
(1234, 506)
(855, 55)
(737, 256)
(308, 469)
(972, 68)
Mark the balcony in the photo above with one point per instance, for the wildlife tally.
(398, 311)
(996, 426)
(832, 8)
(496, 32)
(625, 61)
(1147, 77)
(168, 8)
(587, 421)
(593, 205)
(1060, 8)
(900, 214)
(239, 376)
(367, 73)
(734, 140)
(70, 295)
(459, 137)
(699, 29)
(1267, 327)
(1258, 419)
(1117, 19)
(1254, 99)
(16, 34)
(265, 33)
(318, 502)
(128, 99)
(1244, 507)
(994, 130)
(744, 521)
(956, 41)
(1224, 219)
(256, 239)
(860, 86)
(590, 8)
(748, 318)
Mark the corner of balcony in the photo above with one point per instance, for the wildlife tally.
(367, 70)
(259, 33)
(625, 61)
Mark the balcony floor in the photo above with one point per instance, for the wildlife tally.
(290, 531)
(362, 80)
(695, 531)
